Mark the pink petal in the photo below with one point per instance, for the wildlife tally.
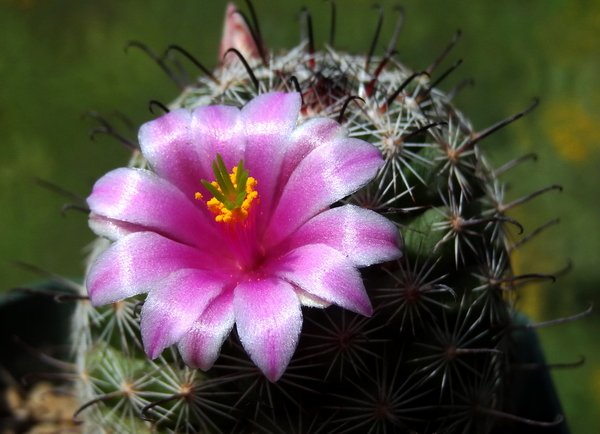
(201, 345)
(136, 262)
(268, 120)
(305, 138)
(217, 130)
(167, 144)
(173, 305)
(182, 145)
(269, 320)
(324, 272)
(310, 300)
(363, 236)
(328, 174)
(141, 198)
(112, 229)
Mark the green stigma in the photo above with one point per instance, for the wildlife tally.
(230, 189)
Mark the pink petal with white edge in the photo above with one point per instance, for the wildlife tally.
(173, 305)
(112, 229)
(201, 345)
(136, 262)
(363, 236)
(167, 144)
(142, 198)
(310, 300)
(182, 145)
(305, 138)
(326, 175)
(324, 272)
(268, 121)
(217, 130)
(269, 321)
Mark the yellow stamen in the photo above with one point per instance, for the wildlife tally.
(236, 215)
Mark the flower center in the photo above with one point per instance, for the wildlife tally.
(232, 204)
(233, 192)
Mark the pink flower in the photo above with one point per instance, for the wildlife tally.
(268, 246)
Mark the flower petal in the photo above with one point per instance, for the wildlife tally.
(173, 305)
(112, 229)
(217, 130)
(136, 262)
(140, 197)
(326, 175)
(305, 138)
(167, 144)
(363, 236)
(269, 320)
(201, 345)
(182, 145)
(324, 272)
(269, 120)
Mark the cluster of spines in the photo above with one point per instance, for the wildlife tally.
(437, 354)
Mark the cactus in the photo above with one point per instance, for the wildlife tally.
(438, 352)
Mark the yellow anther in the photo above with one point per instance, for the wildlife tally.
(225, 215)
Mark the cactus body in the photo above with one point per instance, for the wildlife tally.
(437, 354)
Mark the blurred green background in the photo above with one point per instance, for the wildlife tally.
(59, 58)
